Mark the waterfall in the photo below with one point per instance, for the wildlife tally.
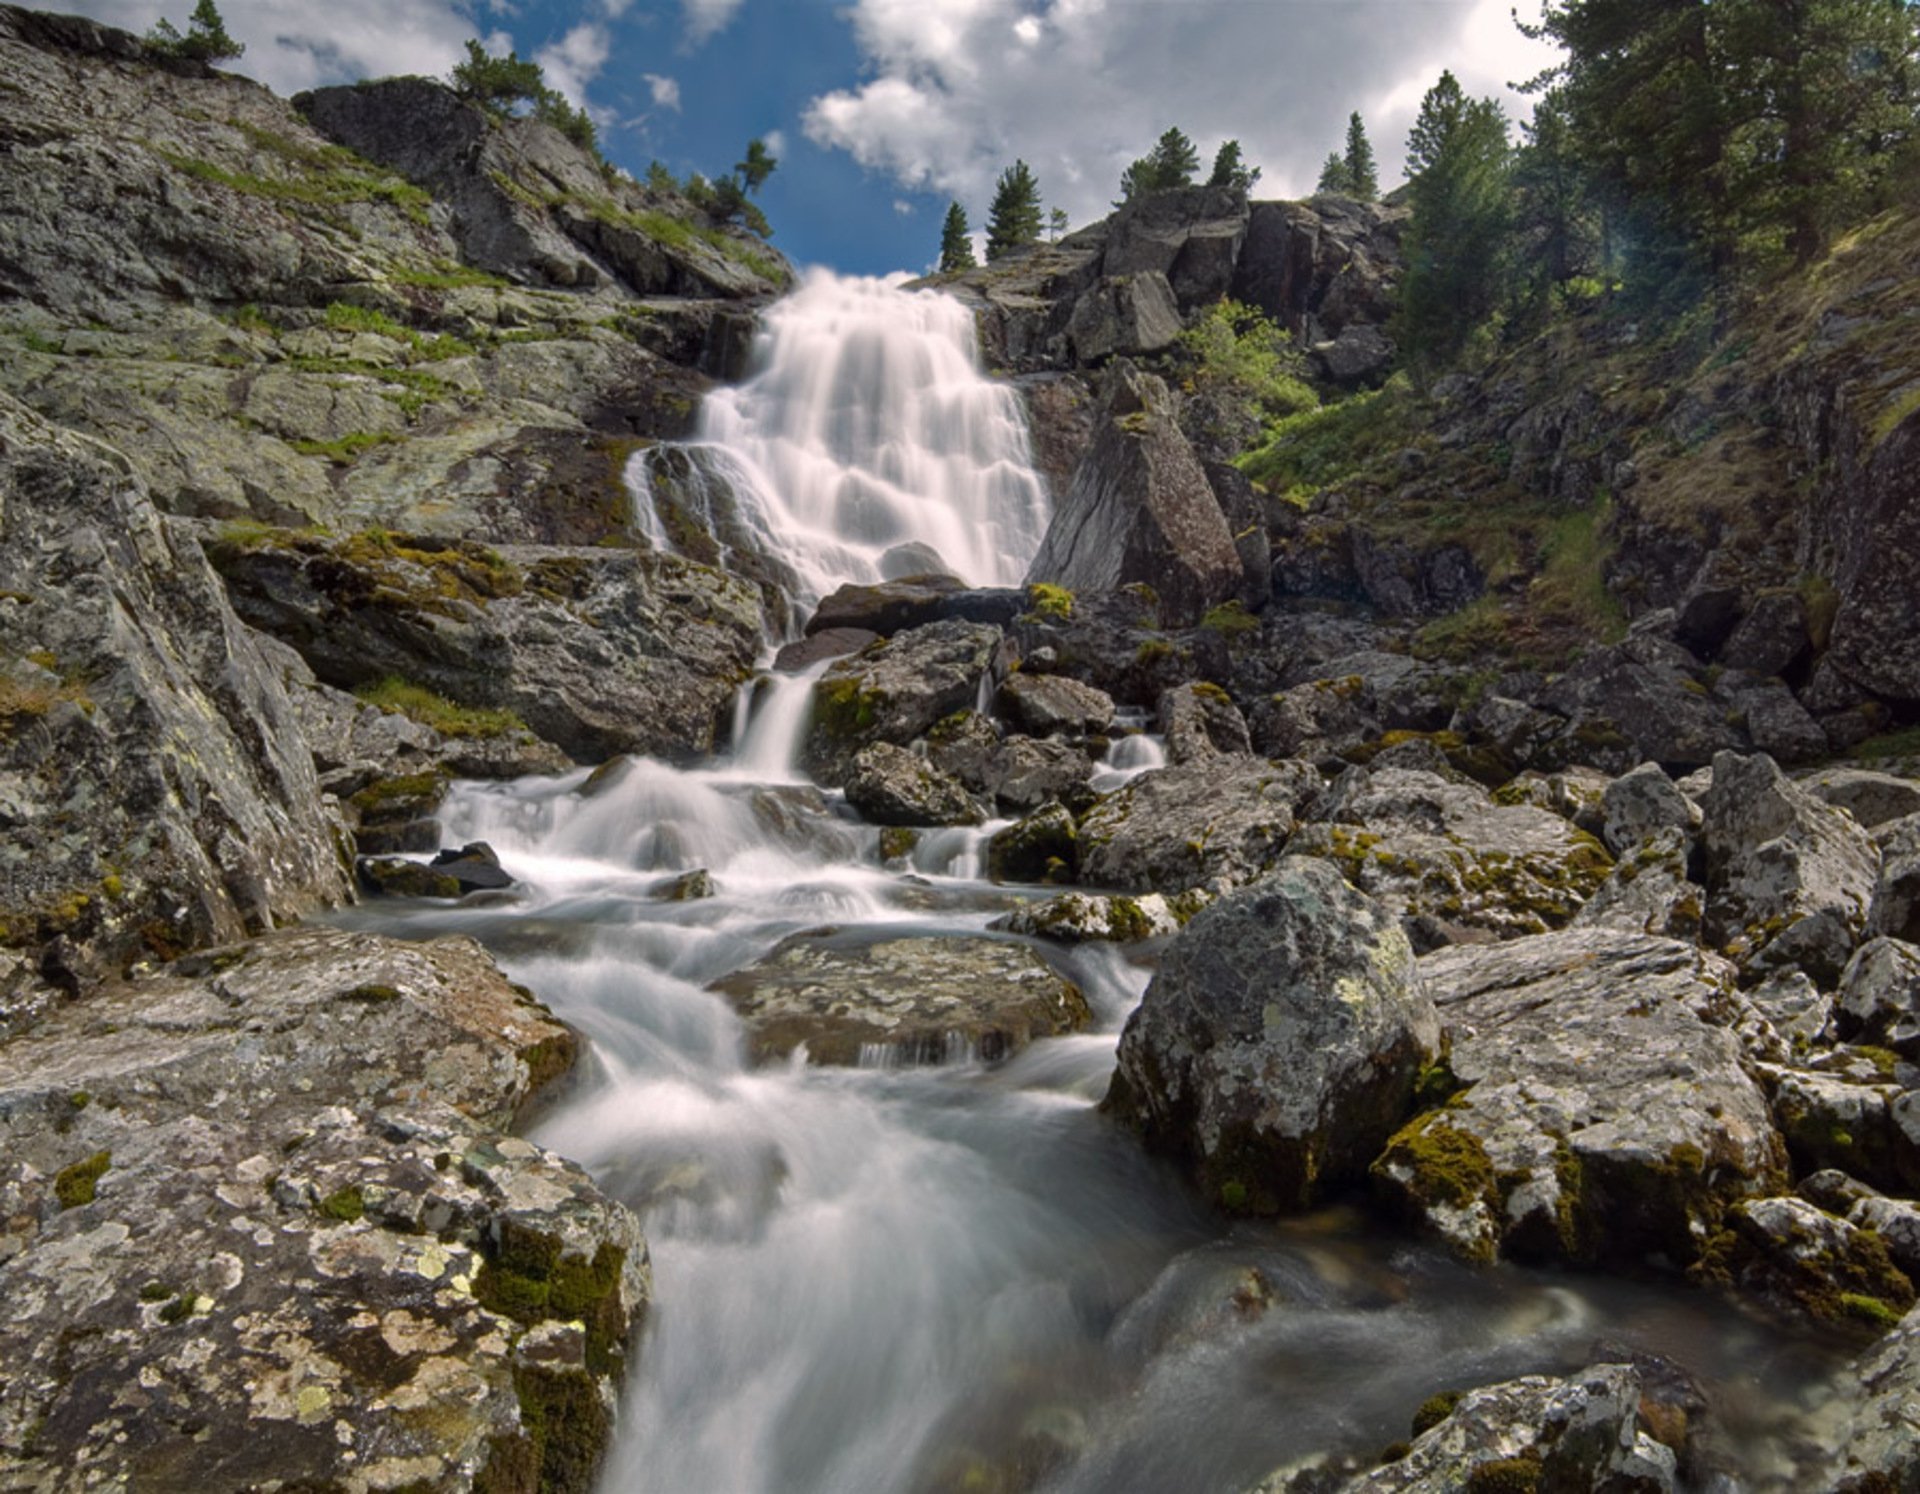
(868, 437)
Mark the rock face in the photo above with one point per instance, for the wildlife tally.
(160, 794)
(1215, 822)
(1279, 1044)
(271, 1187)
(1604, 1113)
(1141, 510)
(901, 1001)
(599, 651)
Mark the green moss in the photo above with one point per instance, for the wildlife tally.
(412, 792)
(418, 703)
(1505, 1476)
(1448, 1165)
(1434, 1410)
(526, 1277)
(1044, 599)
(1231, 619)
(447, 275)
(155, 1291)
(843, 708)
(74, 1185)
(341, 316)
(1870, 1310)
(566, 1425)
(371, 991)
(179, 1309)
(321, 186)
(342, 451)
(897, 842)
(1152, 651)
(346, 1205)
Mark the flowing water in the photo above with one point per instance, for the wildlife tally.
(955, 1277)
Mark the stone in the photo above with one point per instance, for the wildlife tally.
(1896, 892)
(889, 607)
(1830, 1121)
(1794, 1006)
(898, 690)
(1114, 641)
(1361, 355)
(1776, 723)
(1279, 1043)
(1799, 1258)
(1872, 798)
(475, 866)
(891, 786)
(1024, 774)
(397, 876)
(1192, 236)
(1636, 701)
(304, 1230)
(900, 1001)
(1316, 266)
(1141, 510)
(1126, 317)
(1604, 1110)
(1201, 721)
(1789, 879)
(964, 745)
(1044, 847)
(1897, 1224)
(1048, 704)
(1641, 802)
(1771, 638)
(1217, 823)
(1879, 997)
(817, 648)
(1080, 917)
(1875, 1441)
(1648, 891)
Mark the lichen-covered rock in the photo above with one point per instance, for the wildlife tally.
(896, 690)
(1217, 823)
(1876, 1441)
(1896, 894)
(1049, 704)
(1127, 316)
(271, 1186)
(1872, 798)
(1448, 857)
(1077, 917)
(1639, 803)
(1279, 1044)
(1199, 721)
(1803, 1259)
(892, 786)
(888, 607)
(1024, 774)
(1789, 878)
(1879, 997)
(1604, 1109)
(159, 794)
(1839, 1121)
(1639, 700)
(1043, 847)
(901, 1001)
(1647, 892)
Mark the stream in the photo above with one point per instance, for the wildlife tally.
(955, 1277)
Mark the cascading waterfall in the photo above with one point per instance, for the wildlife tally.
(868, 443)
(952, 1277)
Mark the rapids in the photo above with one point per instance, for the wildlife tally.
(955, 1277)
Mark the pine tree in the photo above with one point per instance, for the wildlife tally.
(1558, 230)
(206, 39)
(1013, 219)
(498, 83)
(1056, 224)
(1363, 177)
(758, 164)
(1334, 178)
(1170, 164)
(956, 241)
(1230, 170)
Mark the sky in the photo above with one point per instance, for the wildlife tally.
(883, 111)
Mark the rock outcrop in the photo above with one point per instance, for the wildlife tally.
(1217, 822)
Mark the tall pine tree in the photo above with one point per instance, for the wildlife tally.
(1013, 219)
(1363, 176)
(1334, 178)
(1231, 170)
(956, 241)
(1170, 164)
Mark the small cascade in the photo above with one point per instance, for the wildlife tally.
(769, 722)
(869, 427)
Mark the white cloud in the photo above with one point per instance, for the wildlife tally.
(903, 207)
(294, 44)
(776, 142)
(665, 91)
(576, 60)
(950, 100)
(707, 18)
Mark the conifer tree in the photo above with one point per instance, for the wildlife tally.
(758, 164)
(1230, 170)
(1363, 176)
(1013, 218)
(1333, 176)
(1056, 224)
(956, 241)
(1170, 164)
(206, 39)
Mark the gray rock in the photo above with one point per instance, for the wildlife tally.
(1833, 1121)
(1215, 823)
(1802, 1259)
(1023, 774)
(1191, 236)
(1278, 1045)
(908, 1001)
(1879, 997)
(891, 786)
(1605, 1110)
(1896, 894)
(1877, 1431)
(829, 643)
(1789, 878)
(1794, 1006)
(1141, 510)
(1201, 721)
(1639, 700)
(1128, 317)
(1648, 892)
(1049, 704)
(1641, 802)
(1871, 797)
(1360, 355)
(889, 607)
(898, 690)
(1078, 917)
(1897, 1223)
(1776, 723)
(1321, 264)
(1771, 637)
(1043, 847)
(272, 1186)
(159, 795)
(964, 744)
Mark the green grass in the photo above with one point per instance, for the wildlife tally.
(342, 317)
(396, 695)
(448, 276)
(1571, 587)
(1315, 448)
(1890, 744)
(344, 450)
(320, 188)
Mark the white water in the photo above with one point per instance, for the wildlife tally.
(956, 1277)
(869, 425)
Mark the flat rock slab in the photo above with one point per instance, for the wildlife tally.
(1605, 1110)
(901, 1000)
(261, 1216)
(1218, 822)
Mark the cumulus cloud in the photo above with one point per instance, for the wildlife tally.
(665, 91)
(1078, 88)
(707, 18)
(293, 44)
(776, 142)
(576, 60)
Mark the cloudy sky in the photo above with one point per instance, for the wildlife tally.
(883, 110)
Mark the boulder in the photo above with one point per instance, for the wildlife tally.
(272, 1187)
(1604, 1111)
(1875, 1442)
(964, 745)
(1879, 997)
(1217, 823)
(891, 786)
(1114, 641)
(1872, 798)
(1126, 317)
(1190, 236)
(1775, 721)
(1789, 878)
(1317, 266)
(1141, 510)
(1639, 803)
(1637, 700)
(1023, 774)
(1648, 892)
(888, 607)
(897, 690)
(1771, 638)
(1279, 1043)
(1077, 917)
(1045, 705)
(1896, 892)
(1837, 1121)
(817, 648)
(1361, 355)
(1801, 1259)
(1201, 721)
(900, 1001)
(160, 794)
(1044, 847)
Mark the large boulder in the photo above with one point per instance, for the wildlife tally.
(1879, 997)
(263, 1218)
(1639, 803)
(1317, 267)
(1201, 721)
(1876, 1443)
(900, 1001)
(898, 690)
(160, 795)
(1642, 699)
(1216, 822)
(1790, 879)
(892, 786)
(1604, 1109)
(1191, 237)
(887, 607)
(1648, 891)
(1047, 704)
(1872, 798)
(1141, 510)
(1896, 895)
(1280, 1043)
(1125, 317)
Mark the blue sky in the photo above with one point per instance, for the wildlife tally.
(882, 111)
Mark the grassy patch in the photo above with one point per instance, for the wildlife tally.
(394, 694)
(1571, 588)
(344, 450)
(342, 317)
(447, 275)
(1890, 744)
(320, 188)
(1316, 448)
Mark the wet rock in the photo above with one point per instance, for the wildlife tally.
(395, 816)
(1219, 823)
(1279, 1044)
(1648, 892)
(1444, 855)
(1044, 847)
(1113, 641)
(897, 690)
(1789, 878)
(891, 786)
(160, 795)
(1049, 704)
(1641, 802)
(1023, 774)
(1800, 1258)
(964, 745)
(1077, 917)
(889, 607)
(1141, 510)
(815, 648)
(1896, 893)
(396, 876)
(1876, 1441)
(301, 1229)
(1879, 997)
(475, 866)
(910, 1001)
(1872, 798)
(690, 887)
(1201, 721)
(1604, 1111)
